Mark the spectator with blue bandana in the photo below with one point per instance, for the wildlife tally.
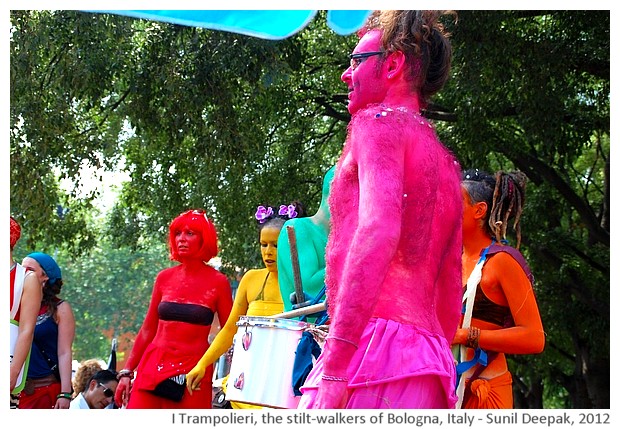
(49, 375)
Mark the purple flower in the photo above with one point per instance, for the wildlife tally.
(262, 213)
(288, 211)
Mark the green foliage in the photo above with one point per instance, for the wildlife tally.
(109, 289)
(60, 117)
(226, 122)
(531, 91)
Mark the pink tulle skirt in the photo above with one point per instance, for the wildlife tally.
(396, 366)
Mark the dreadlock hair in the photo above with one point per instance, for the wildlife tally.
(504, 194)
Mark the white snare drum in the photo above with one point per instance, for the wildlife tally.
(261, 372)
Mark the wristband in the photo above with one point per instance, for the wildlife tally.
(344, 340)
(124, 373)
(473, 335)
(64, 395)
(332, 378)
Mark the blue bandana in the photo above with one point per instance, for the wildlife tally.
(48, 264)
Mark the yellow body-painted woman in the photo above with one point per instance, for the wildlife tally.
(266, 303)
(258, 295)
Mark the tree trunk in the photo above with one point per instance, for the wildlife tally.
(528, 396)
(597, 383)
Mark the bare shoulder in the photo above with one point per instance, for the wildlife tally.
(64, 306)
(253, 274)
(31, 283)
(504, 259)
(506, 269)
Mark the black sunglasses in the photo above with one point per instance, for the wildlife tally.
(106, 390)
(357, 59)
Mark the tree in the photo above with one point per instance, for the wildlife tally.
(227, 122)
(531, 91)
(109, 289)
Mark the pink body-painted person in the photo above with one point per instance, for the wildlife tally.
(394, 251)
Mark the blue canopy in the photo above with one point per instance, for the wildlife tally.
(264, 24)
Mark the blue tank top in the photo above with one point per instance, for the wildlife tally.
(46, 338)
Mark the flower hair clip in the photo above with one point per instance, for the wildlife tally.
(288, 211)
(262, 213)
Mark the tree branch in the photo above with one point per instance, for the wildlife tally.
(546, 173)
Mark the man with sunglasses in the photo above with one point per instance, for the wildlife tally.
(99, 394)
(393, 259)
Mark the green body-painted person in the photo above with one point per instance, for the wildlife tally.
(311, 237)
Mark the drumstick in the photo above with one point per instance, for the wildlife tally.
(299, 291)
(301, 311)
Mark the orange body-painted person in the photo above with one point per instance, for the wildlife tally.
(504, 318)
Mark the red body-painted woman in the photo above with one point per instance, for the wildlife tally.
(175, 331)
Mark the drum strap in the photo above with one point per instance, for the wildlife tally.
(261, 294)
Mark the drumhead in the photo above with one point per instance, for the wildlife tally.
(271, 322)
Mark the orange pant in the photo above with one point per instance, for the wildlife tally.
(495, 393)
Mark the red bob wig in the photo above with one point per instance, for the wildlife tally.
(198, 222)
